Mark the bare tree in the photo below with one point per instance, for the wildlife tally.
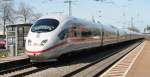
(35, 16)
(26, 13)
(6, 13)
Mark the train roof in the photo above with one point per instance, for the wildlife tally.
(56, 16)
(110, 28)
(107, 27)
(62, 18)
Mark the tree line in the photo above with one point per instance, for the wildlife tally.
(9, 14)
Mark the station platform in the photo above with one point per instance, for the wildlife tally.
(141, 66)
(12, 58)
(134, 64)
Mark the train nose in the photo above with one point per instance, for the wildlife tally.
(36, 43)
(32, 53)
(36, 55)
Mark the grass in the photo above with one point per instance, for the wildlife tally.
(3, 54)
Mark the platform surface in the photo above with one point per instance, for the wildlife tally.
(141, 66)
(134, 64)
(12, 58)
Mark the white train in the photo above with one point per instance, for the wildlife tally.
(52, 36)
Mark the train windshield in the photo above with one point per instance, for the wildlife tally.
(45, 25)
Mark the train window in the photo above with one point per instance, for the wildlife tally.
(85, 31)
(62, 34)
(45, 25)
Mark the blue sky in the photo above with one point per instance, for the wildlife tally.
(115, 12)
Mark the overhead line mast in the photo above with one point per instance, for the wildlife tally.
(70, 6)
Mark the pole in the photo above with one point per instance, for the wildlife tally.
(4, 21)
(69, 6)
(131, 21)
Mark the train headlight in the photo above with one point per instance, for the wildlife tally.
(29, 42)
(43, 42)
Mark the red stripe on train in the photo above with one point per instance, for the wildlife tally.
(55, 46)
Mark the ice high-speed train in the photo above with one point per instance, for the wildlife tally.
(52, 36)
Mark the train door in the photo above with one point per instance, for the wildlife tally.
(84, 34)
(118, 36)
(70, 34)
(109, 37)
(97, 35)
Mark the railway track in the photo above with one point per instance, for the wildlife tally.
(24, 70)
(7, 64)
(98, 66)
(100, 61)
(15, 69)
